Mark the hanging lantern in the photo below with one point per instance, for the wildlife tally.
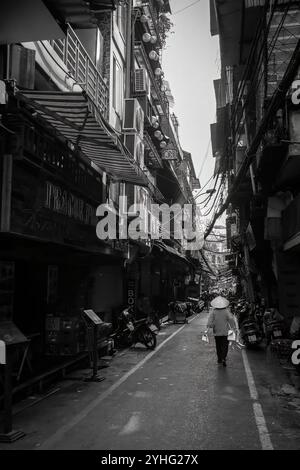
(153, 55)
(158, 72)
(158, 135)
(144, 19)
(153, 39)
(147, 37)
(163, 144)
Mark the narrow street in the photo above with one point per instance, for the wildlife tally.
(173, 398)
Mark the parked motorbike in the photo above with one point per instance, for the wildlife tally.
(155, 319)
(130, 331)
(250, 332)
(195, 305)
(275, 328)
(242, 312)
(273, 325)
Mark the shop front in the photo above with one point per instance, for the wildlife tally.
(52, 266)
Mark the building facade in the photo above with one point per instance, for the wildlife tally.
(255, 140)
(85, 120)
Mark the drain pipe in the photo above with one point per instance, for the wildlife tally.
(128, 50)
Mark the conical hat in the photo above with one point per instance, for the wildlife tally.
(219, 303)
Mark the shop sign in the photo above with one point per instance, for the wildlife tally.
(196, 184)
(131, 293)
(64, 202)
(170, 154)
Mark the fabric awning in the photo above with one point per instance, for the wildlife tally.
(76, 119)
(171, 251)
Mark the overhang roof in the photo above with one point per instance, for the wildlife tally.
(77, 120)
(168, 249)
(17, 24)
(75, 12)
(229, 20)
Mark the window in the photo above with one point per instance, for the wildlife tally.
(117, 99)
(99, 51)
(121, 19)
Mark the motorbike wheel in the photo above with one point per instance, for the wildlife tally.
(148, 338)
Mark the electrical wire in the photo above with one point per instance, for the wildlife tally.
(218, 195)
(205, 158)
(206, 184)
(185, 8)
(257, 74)
(215, 184)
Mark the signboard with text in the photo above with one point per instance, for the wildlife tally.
(170, 154)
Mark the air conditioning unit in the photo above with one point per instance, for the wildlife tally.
(142, 83)
(136, 147)
(133, 117)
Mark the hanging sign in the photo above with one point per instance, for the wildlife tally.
(196, 184)
(170, 154)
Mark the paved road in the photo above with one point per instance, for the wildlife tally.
(178, 399)
(175, 398)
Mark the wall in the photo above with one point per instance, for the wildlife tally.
(107, 292)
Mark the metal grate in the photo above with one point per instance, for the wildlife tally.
(82, 68)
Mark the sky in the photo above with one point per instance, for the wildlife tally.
(190, 63)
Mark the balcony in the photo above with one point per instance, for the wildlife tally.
(55, 159)
(142, 57)
(82, 68)
(149, 11)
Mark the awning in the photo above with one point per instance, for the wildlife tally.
(76, 119)
(79, 13)
(171, 251)
(17, 24)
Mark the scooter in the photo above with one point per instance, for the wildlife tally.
(195, 305)
(276, 329)
(250, 332)
(130, 332)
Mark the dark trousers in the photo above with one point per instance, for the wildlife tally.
(222, 347)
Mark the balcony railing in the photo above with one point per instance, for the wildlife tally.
(82, 68)
(56, 159)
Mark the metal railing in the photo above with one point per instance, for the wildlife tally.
(82, 68)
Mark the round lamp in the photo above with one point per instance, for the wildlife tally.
(146, 37)
(153, 55)
(144, 19)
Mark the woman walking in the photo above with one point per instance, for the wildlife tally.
(221, 321)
